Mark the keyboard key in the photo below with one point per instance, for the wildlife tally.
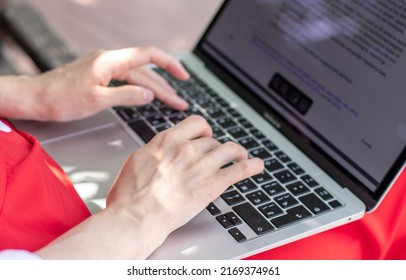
(297, 188)
(296, 168)
(160, 105)
(204, 103)
(193, 110)
(284, 176)
(257, 197)
(257, 134)
(273, 165)
(262, 177)
(234, 113)
(156, 120)
(314, 203)
(323, 193)
(222, 102)
(273, 188)
(293, 215)
(246, 123)
(226, 122)
(143, 130)
(335, 204)
(229, 188)
(237, 235)
(127, 113)
(233, 218)
(245, 185)
(215, 112)
(286, 200)
(309, 181)
(213, 209)
(270, 210)
(237, 132)
(269, 145)
(217, 132)
(169, 111)
(224, 221)
(147, 111)
(253, 218)
(163, 127)
(211, 122)
(260, 153)
(248, 143)
(282, 156)
(232, 198)
(175, 119)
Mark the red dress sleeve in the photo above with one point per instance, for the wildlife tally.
(37, 200)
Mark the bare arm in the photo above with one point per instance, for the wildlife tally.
(164, 184)
(80, 89)
(160, 188)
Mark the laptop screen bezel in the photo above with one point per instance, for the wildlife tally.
(320, 157)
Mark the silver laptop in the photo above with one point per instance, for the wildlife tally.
(315, 88)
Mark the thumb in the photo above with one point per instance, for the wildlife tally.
(128, 95)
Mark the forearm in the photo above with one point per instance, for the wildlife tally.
(19, 97)
(106, 235)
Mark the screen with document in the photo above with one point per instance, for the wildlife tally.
(333, 68)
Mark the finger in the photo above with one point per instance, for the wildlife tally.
(127, 95)
(192, 127)
(226, 153)
(134, 57)
(150, 78)
(239, 171)
(162, 90)
(205, 144)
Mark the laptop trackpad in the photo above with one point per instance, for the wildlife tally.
(92, 160)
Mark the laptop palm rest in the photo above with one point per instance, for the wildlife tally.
(92, 160)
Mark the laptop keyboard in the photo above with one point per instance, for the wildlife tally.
(281, 195)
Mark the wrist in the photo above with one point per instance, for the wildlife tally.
(109, 234)
(20, 97)
(140, 227)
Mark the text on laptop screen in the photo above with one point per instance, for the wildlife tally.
(333, 68)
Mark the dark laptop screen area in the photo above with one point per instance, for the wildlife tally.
(333, 69)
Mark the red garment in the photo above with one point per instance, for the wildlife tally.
(37, 200)
(378, 235)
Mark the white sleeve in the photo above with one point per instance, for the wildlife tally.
(18, 255)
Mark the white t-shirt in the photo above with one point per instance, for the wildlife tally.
(18, 255)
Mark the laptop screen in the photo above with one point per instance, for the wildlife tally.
(334, 69)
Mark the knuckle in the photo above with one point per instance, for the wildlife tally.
(244, 168)
(236, 149)
(199, 119)
(201, 122)
(185, 150)
(163, 138)
(149, 48)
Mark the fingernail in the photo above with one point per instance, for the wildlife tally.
(148, 95)
(182, 102)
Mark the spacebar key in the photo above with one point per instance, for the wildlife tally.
(252, 217)
(143, 130)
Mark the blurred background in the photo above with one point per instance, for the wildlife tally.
(88, 25)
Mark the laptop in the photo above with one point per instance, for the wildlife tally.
(315, 88)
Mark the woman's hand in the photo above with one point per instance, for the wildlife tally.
(81, 88)
(176, 175)
(160, 188)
